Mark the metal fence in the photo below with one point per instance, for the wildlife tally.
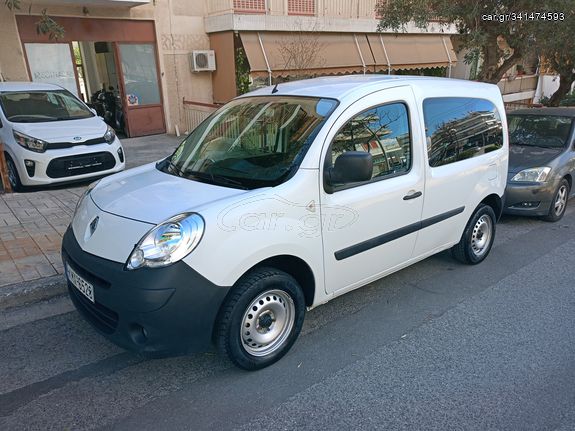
(196, 112)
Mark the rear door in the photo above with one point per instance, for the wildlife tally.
(370, 228)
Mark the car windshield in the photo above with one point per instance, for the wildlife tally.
(251, 142)
(548, 131)
(42, 106)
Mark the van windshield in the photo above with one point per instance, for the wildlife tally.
(251, 142)
(42, 106)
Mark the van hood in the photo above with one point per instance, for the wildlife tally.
(151, 196)
(525, 157)
(64, 131)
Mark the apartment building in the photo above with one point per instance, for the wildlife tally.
(170, 62)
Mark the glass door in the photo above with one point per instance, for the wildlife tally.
(140, 89)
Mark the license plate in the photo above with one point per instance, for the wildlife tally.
(79, 283)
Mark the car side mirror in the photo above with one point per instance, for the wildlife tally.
(350, 167)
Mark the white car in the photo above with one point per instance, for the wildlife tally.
(282, 200)
(50, 136)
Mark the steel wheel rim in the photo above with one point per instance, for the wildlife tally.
(12, 173)
(560, 200)
(481, 235)
(267, 322)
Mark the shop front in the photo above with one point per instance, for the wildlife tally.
(111, 64)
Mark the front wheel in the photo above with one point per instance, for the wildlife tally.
(13, 176)
(559, 202)
(260, 319)
(477, 238)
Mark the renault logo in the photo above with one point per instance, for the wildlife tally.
(94, 225)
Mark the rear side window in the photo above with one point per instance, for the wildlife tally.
(459, 128)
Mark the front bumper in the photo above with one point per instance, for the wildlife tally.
(49, 167)
(158, 311)
(532, 199)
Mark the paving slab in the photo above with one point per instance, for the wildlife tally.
(32, 224)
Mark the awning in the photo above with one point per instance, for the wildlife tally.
(407, 51)
(284, 53)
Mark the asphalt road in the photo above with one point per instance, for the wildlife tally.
(438, 345)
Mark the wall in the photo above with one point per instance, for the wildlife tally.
(12, 65)
(179, 30)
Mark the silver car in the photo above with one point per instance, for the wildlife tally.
(541, 162)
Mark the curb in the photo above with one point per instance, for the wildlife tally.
(28, 292)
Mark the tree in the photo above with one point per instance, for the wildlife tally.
(483, 27)
(301, 49)
(46, 25)
(557, 49)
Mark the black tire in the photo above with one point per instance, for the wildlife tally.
(470, 249)
(559, 202)
(13, 175)
(233, 327)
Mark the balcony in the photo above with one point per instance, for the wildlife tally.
(101, 3)
(321, 8)
(349, 16)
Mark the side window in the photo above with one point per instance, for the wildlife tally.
(383, 132)
(458, 128)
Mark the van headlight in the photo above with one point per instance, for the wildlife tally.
(168, 242)
(110, 135)
(30, 143)
(532, 175)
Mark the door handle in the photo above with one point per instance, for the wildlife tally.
(412, 196)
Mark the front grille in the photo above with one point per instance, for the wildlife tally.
(101, 317)
(81, 164)
(59, 145)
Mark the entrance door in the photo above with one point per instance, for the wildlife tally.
(387, 208)
(140, 88)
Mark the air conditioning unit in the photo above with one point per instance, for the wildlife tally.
(203, 61)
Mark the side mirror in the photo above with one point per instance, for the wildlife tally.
(350, 167)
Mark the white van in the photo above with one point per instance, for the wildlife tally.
(281, 200)
(51, 137)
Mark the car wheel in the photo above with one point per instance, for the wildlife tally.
(260, 319)
(477, 238)
(559, 202)
(13, 176)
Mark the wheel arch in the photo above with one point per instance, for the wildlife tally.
(569, 179)
(297, 268)
(496, 203)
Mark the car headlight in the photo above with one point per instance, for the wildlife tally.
(110, 135)
(168, 242)
(30, 143)
(532, 175)
(85, 195)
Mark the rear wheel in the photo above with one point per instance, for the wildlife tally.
(559, 202)
(13, 176)
(477, 238)
(261, 318)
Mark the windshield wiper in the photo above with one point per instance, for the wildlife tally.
(217, 179)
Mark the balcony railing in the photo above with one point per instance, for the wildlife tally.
(519, 84)
(347, 9)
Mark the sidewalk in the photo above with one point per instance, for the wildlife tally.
(32, 223)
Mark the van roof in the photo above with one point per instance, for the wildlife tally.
(561, 111)
(342, 87)
(28, 86)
